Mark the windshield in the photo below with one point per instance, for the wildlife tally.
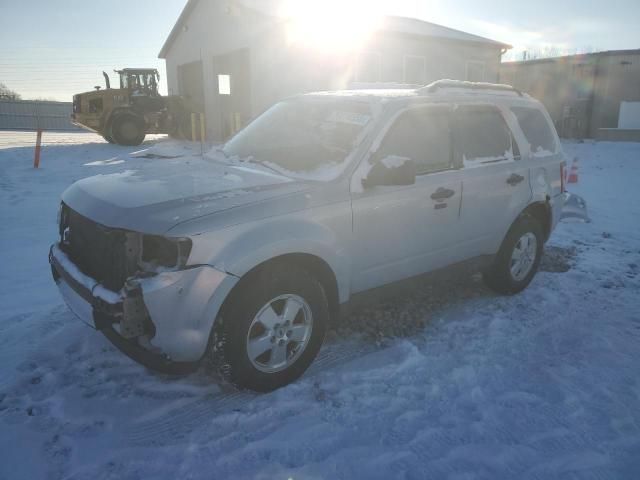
(139, 81)
(303, 134)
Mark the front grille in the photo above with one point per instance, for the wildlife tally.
(97, 251)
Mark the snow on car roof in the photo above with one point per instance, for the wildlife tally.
(373, 92)
(439, 87)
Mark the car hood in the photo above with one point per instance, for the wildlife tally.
(157, 198)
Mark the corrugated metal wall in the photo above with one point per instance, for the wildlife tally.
(582, 93)
(33, 114)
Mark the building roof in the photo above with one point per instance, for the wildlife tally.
(415, 26)
(579, 56)
(402, 25)
(188, 8)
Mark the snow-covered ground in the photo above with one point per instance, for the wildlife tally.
(440, 379)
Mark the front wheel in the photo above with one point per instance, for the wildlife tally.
(272, 329)
(128, 130)
(518, 259)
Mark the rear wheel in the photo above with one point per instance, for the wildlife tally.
(127, 130)
(518, 259)
(272, 329)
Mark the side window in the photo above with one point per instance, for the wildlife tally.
(536, 130)
(224, 84)
(423, 135)
(481, 136)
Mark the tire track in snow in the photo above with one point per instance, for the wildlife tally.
(178, 422)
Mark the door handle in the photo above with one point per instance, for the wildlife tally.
(442, 194)
(514, 179)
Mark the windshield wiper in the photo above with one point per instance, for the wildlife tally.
(219, 155)
(264, 164)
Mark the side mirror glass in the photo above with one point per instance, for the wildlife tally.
(391, 170)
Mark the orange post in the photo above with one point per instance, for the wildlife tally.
(36, 159)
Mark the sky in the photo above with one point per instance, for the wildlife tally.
(53, 49)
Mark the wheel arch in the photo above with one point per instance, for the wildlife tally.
(313, 264)
(541, 211)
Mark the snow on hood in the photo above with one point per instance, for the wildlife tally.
(161, 194)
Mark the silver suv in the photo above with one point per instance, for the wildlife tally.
(245, 255)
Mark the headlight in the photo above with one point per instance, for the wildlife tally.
(61, 219)
(164, 253)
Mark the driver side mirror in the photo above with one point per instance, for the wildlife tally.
(391, 170)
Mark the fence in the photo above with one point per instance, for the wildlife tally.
(34, 114)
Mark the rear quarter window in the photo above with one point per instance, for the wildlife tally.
(536, 130)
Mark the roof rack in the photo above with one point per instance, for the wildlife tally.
(383, 86)
(438, 84)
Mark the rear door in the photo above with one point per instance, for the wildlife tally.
(495, 180)
(401, 231)
(546, 159)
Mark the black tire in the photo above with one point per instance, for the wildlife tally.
(127, 130)
(499, 276)
(229, 349)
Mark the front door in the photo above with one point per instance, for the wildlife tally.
(402, 231)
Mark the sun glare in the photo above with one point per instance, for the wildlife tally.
(331, 25)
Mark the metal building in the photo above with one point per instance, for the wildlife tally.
(34, 114)
(593, 95)
(234, 58)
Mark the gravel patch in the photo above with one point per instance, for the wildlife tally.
(558, 259)
(404, 309)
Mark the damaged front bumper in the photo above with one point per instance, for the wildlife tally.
(162, 321)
